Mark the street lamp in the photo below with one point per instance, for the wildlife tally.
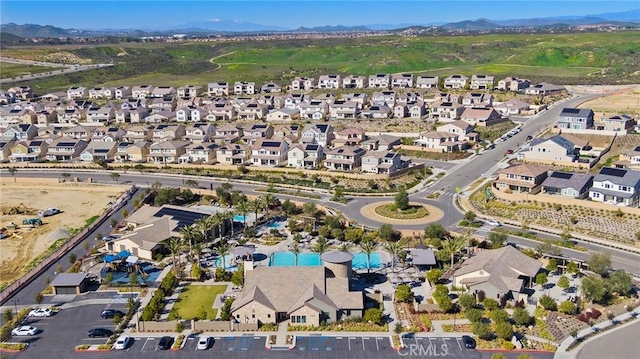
(15, 305)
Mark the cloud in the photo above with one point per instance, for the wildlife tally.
(215, 20)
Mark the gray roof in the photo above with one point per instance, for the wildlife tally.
(619, 176)
(576, 112)
(68, 279)
(577, 181)
(337, 256)
(423, 257)
(506, 257)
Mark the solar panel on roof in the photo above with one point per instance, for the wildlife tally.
(571, 110)
(637, 149)
(184, 218)
(66, 144)
(563, 175)
(271, 144)
(101, 150)
(36, 143)
(389, 155)
(312, 147)
(616, 172)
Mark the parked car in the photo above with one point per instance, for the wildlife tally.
(100, 332)
(469, 342)
(24, 330)
(41, 312)
(204, 343)
(498, 140)
(509, 152)
(165, 343)
(123, 343)
(529, 138)
(493, 222)
(111, 313)
(490, 147)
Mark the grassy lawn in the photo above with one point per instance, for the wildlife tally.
(193, 297)
(10, 70)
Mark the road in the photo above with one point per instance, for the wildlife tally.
(617, 344)
(65, 69)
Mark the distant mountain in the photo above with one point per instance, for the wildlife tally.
(33, 30)
(220, 25)
(338, 28)
(480, 24)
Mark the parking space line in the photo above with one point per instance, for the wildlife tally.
(458, 341)
(145, 343)
(363, 348)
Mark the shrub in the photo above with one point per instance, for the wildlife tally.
(506, 345)
(373, 315)
(474, 314)
(482, 330)
(434, 275)
(547, 302)
(404, 294)
(467, 300)
(498, 356)
(490, 304)
(179, 327)
(480, 296)
(499, 316)
(521, 316)
(567, 307)
(504, 330)
(178, 343)
(82, 347)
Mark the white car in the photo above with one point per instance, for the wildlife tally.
(41, 312)
(123, 343)
(24, 330)
(204, 343)
(493, 222)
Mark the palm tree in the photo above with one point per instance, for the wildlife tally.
(394, 249)
(321, 245)
(346, 247)
(296, 249)
(114, 176)
(188, 234)
(12, 172)
(257, 204)
(217, 219)
(228, 216)
(368, 247)
(269, 201)
(453, 245)
(243, 207)
(223, 251)
(175, 246)
(196, 250)
(191, 183)
(204, 225)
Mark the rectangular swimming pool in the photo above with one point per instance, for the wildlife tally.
(288, 259)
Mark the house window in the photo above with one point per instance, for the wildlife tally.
(253, 316)
(268, 315)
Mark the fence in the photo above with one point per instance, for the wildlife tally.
(60, 252)
(152, 326)
(197, 326)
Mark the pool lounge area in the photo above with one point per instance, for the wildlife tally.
(288, 259)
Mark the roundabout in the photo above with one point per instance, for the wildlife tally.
(382, 212)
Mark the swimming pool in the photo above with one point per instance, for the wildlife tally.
(285, 259)
(227, 262)
(276, 225)
(238, 218)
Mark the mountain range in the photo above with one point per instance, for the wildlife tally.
(234, 26)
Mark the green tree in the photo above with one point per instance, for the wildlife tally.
(224, 250)
(373, 315)
(8, 315)
(175, 245)
(619, 282)
(202, 314)
(320, 246)
(572, 268)
(497, 239)
(474, 314)
(434, 275)
(470, 216)
(310, 209)
(567, 307)
(243, 208)
(72, 258)
(386, 232)
(404, 294)
(114, 176)
(548, 248)
(498, 356)
(401, 200)
(521, 316)
(12, 172)
(191, 183)
(499, 315)
(490, 304)
(446, 304)
(552, 265)
(196, 272)
(225, 311)
(174, 314)
(295, 249)
(394, 249)
(466, 300)
(547, 302)
(368, 247)
(482, 330)
(435, 231)
(238, 277)
(541, 279)
(452, 246)
(39, 297)
(599, 263)
(563, 282)
(504, 330)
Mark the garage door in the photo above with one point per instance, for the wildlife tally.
(66, 290)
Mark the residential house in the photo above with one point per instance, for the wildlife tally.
(167, 151)
(271, 87)
(98, 151)
(387, 98)
(512, 107)
(221, 111)
(446, 111)
(108, 134)
(477, 99)
(521, 178)
(409, 97)
(159, 104)
(287, 131)
(138, 152)
(121, 92)
(513, 84)
(199, 153)
(569, 184)
(147, 240)
(401, 110)
(46, 118)
(480, 116)
(141, 91)
(305, 155)
(350, 136)
(252, 111)
(303, 84)
(77, 92)
(344, 158)
(233, 154)
(257, 131)
(328, 97)
(168, 133)
(360, 98)
(380, 81)
(329, 82)
(377, 112)
(427, 82)
(319, 133)
(382, 162)
(456, 82)
(557, 150)
(615, 123)
(78, 132)
(199, 133)
(575, 118)
(20, 133)
(417, 109)
(189, 91)
(65, 149)
(342, 109)
(461, 128)
(227, 134)
(619, 186)
(101, 92)
(269, 152)
(354, 82)
(499, 273)
(244, 88)
(481, 82)
(440, 141)
(122, 115)
(402, 80)
(5, 150)
(138, 133)
(314, 110)
(381, 142)
(121, 151)
(284, 115)
(164, 116)
(21, 92)
(629, 159)
(28, 151)
(543, 88)
(218, 89)
(191, 114)
(163, 92)
(104, 114)
(293, 100)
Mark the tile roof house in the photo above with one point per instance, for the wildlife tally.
(98, 151)
(28, 151)
(269, 153)
(480, 116)
(477, 99)
(382, 162)
(121, 92)
(233, 154)
(461, 128)
(5, 150)
(446, 111)
(65, 149)
(498, 272)
(303, 84)
(167, 151)
(377, 112)
(342, 109)
(427, 82)
(381, 142)
(313, 110)
(168, 133)
(257, 131)
(244, 88)
(190, 91)
(615, 123)
(440, 141)
(481, 82)
(218, 89)
(569, 184)
(513, 84)
(136, 152)
(575, 118)
(402, 80)
(521, 178)
(228, 133)
(77, 92)
(101, 92)
(252, 111)
(221, 111)
(354, 82)
(141, 91)
(557, 149)
(146, 240)
(163, 92)
(319, 133)
(629, 159)
(199, 153)
(512, 107)
(284, 115)
(305, 155)
(350, 136)
(387, 98)
(23, 132)
(344, 158)
(329, 82)
(379, 81)
(102, 114)
(271, 87)
(543, 88)
(456, 82)
(138, 133)
(617, 186)
(360, 98)
(199, 132)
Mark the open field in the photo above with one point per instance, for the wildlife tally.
(9, 70)
(561, 58)
(194, 297)
(624, 102)
(79, 202)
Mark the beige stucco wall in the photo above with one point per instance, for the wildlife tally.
(262, 313)
(313, 317)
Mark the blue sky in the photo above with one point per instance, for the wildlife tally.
(91, 14)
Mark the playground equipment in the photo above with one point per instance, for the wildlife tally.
(32, 222)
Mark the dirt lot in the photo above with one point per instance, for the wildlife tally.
(78, 202)
(623, 102)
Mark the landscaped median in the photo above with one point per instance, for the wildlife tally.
(93, 348)
(13, 347)
(179, 343)
(418, 214)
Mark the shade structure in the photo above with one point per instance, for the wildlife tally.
(110, 258)
(132, 260)
(124, 254)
